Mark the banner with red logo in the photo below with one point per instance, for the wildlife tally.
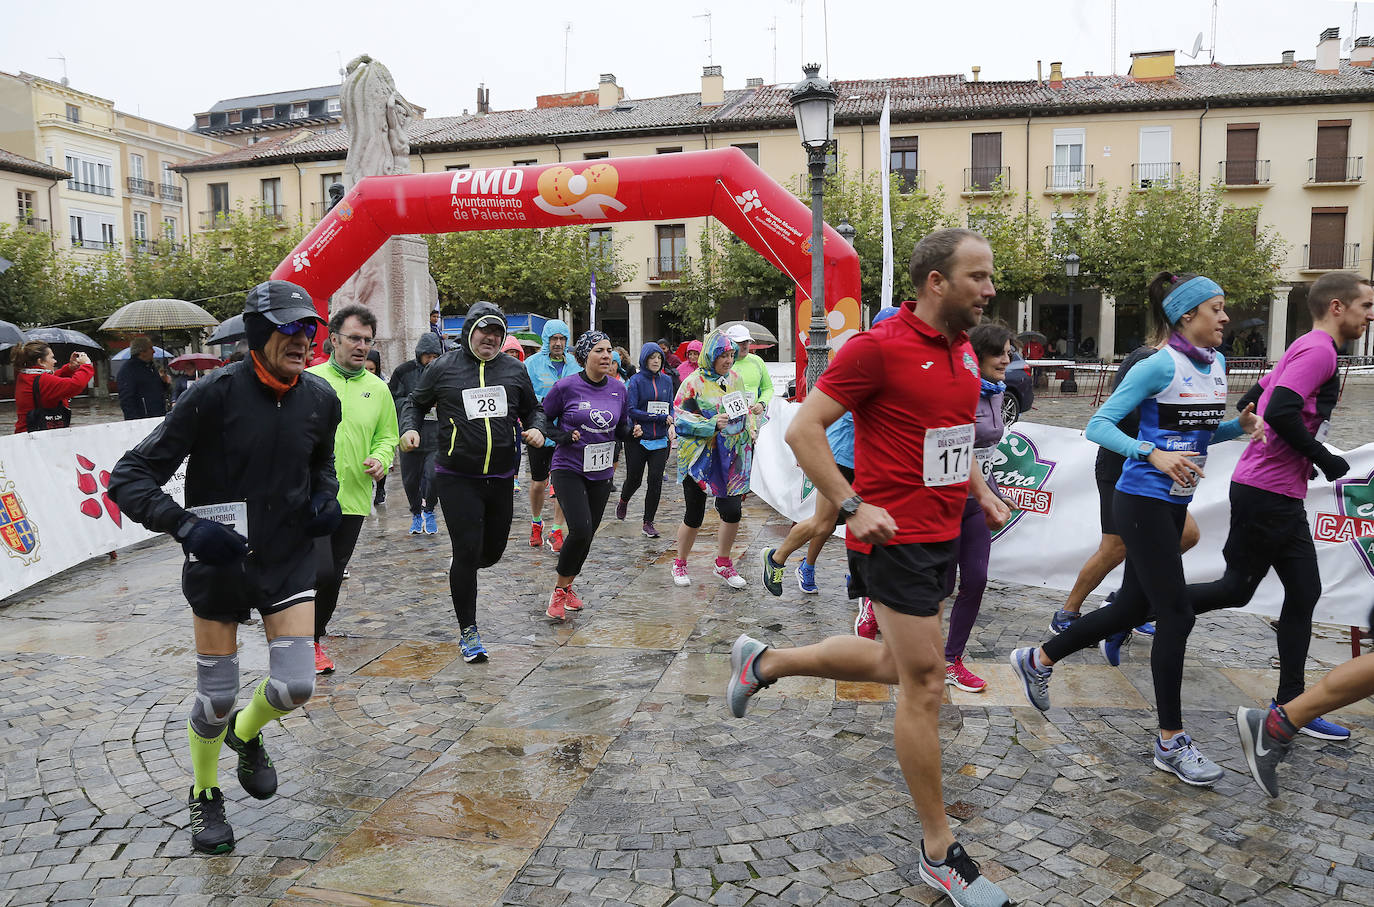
(55, 511)
(1046, 473)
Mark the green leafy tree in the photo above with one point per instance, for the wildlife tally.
(1020, 240)
(28, 288)
(702, 283)
(524, 270)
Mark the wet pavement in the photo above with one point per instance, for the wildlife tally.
(594, 762)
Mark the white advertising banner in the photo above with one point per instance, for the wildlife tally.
(55, 511)
(1047, 474)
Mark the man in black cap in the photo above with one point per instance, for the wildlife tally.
(482, 398)
(258, 440)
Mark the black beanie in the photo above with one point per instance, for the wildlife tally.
(259, 329)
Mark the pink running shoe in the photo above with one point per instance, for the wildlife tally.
(959, 676)
(866, 625)
(680, 577)
(725, 569)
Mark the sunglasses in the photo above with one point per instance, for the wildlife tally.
(291, 328)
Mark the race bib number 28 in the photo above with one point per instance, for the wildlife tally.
(484, 402)
(948, 455)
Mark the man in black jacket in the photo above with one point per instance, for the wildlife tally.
(142, 388)
(258, 441)
(417, 466)
(482, 397)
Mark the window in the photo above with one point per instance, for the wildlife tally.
(600, 244)
(1333, 145)
(169, 228)
(832, 158)
(267, 113)
(271, 198)
(1327, 248)
(327, 180)
(986, 161)
(169, 177)
(903, 160)
(107, 235)
(1067, 171)
(749, 148)
(521, 163)
(333, 106)
(25, 206)
(90, 175)
(673, 150)
(1242, 151)
(219, 199)
(73, 113)
(595, 155)
(1155, 167)
(1242, 219)
(136, 166)
(672, 251)
(90, 230)
(300, 111)
(140, 227)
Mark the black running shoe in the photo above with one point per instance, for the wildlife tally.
(256, 775)
(210, 832)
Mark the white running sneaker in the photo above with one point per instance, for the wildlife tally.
(680, 577)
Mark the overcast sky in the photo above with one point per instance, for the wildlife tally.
(168, 60)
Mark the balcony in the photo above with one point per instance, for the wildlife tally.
(1068, 178)
(983, 180)
(154, 246)
(215, 220)
(93, 188)
(1334, 171)
(909, 181)
(169, 193)
(1152, 174)
(1330, 256)
(667, 267)
(1244, 174)
(93, 245)
(140, 187)
(32, 224)
(268, 211)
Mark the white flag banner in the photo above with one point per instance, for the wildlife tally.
(885, 152)
(55, 511)
(1046, 474)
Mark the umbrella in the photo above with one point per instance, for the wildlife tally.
(10, 334)
(1245, 325)
(158, 353)
(159, 315)
(196, 362)
(529, 340)
(63, 335)
(1028, 336)
(757, 332)
(230, 331)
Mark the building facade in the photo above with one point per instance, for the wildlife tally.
(26, 192)
(1290, 136)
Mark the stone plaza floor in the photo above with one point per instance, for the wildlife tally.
(594, 762)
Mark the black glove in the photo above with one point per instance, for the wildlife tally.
(1333, 466)
(212, 543)
(325, 514)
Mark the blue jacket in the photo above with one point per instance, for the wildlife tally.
(141, 391)
(544, 372)
(644, 387)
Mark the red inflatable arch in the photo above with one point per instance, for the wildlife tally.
(722, 183)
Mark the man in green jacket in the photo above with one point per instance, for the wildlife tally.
(752, 370)
(363, 446)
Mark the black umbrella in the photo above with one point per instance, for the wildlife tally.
(63, 335)
(1249, 323)
(229, 331)
(10, 334)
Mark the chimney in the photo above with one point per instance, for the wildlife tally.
(608, 93)
(1288, 56)
(1329, 51)
(976, 71)
(712, 86)
(1363, 54)
(1056, 76)
(483, 98)
(753, 82)
(1152, 65)
(1039, 75)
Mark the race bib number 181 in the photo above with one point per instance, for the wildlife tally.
(948, 455)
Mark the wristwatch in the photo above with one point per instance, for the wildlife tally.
(1144, 449)
(850, 506)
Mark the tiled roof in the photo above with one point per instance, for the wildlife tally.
(913, 98)
(322, 93)
(17, 163)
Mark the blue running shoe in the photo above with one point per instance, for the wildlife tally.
(1321, 729)
(431, 523)
(1146, 629)
(1062, 620)
(743, 681)
(1111, 647)
(806, 577)
(470, 644)
(773, 572)
(417, 524)
(1035, 683)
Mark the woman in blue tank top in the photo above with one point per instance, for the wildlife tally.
(1181, 394)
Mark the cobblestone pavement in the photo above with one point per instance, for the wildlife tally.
(594, 762)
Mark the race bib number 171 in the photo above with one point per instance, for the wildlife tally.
(948, 455)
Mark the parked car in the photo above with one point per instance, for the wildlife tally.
(1020, 395)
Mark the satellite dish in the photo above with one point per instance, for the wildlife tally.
(1197, 46)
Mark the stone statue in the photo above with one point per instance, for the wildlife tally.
(395, 282)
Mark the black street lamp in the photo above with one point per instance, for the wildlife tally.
(813, 102)
(1071, 261)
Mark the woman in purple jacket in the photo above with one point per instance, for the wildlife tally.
(588, 412)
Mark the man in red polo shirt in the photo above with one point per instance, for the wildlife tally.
(912, 383)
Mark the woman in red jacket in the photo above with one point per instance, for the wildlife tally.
(35, 362)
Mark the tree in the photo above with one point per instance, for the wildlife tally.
(1020, 240)
(532, 270)
(28, 286)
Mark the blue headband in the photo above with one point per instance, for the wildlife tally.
(1189, 295)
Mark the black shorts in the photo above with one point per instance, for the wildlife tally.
(230, 594)
(541, 458)
(909, 579)
(1106, 493)
(848, 473)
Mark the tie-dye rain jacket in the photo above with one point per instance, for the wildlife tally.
(718, 461)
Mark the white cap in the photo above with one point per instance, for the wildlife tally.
(739, 333)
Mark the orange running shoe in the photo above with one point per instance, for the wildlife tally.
(323, 663)
(556, 609)
(570, 600)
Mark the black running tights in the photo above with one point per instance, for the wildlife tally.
(584, 503)
(636, 460)
(332, 554)
(477, 513)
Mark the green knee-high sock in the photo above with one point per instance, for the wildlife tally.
(204, 758)
(256, 714)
